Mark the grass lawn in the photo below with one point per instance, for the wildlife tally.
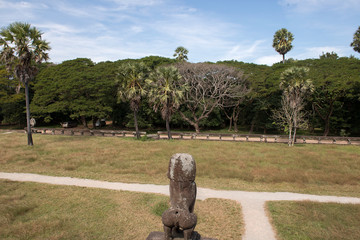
(315, 221)
(316, 169)
(41, 211)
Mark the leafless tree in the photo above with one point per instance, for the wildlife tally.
(291, 115)
(210, 86)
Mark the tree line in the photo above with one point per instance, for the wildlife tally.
(82, 90)
(313, 95)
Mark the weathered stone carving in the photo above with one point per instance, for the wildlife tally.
(180, 216)
(180, 220)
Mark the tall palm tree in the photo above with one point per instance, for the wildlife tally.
(282, 42)
(131, 79)
(22, 49)
(166, 92)
(181, 54)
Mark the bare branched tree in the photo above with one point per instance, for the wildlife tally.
(209, 86)
(291, 115)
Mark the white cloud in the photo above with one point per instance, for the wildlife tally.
(57, 28)
(125, 4)
(315, 52)
(20, 5)
(244, 50)
(269, 60)
(307, 6)
(137, 29)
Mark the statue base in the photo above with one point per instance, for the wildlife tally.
(161, 236)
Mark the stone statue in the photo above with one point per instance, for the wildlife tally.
(180, 220)
(180, 216)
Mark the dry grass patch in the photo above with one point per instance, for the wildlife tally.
(315, 221)
(316, 169)
(40, 211)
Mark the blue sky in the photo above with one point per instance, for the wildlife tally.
(211, 30)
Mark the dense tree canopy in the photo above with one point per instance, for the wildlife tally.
(77, 89)
(81, 89)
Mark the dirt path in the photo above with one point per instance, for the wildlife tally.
(257, 225)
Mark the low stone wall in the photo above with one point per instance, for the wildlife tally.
(86, 132)
(300, 139)
(261, 138)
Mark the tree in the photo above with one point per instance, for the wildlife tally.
(76, 89)
(332, 55)
(131, 79)
(208, 87)
(356, 41)
(334, 80)
(295, 86)
(166, 92)
(181, 54)
(12, 103)
(23, 48)
(282, 42)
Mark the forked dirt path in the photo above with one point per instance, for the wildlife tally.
(257, 225)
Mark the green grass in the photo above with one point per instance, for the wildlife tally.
(316, 169)
(315, 221)
(41, 211)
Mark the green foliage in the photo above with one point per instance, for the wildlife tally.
(282, 41)
(331, 55)
(356, 41)
(295, 79)
(181, 54)
(166, 91)
(131, 79)
(22, 49)
(75, 88)
(12, 104)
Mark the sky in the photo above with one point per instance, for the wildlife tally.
(211, 30)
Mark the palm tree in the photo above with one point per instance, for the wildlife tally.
(166, 92)
(22, 49)
(282, 42)
(131, 79)
(295, 85)
(356, 41)
(181, 54)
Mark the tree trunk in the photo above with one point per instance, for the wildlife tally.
(294, 137)
(168, 126)
(84, 122)
(230, 124)
(327, 126)
(27, 100)
(235, 127)
(136, 125)
(283, 58)
(289, 141)
(253, 121)
(196, 126)
(94, 122)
